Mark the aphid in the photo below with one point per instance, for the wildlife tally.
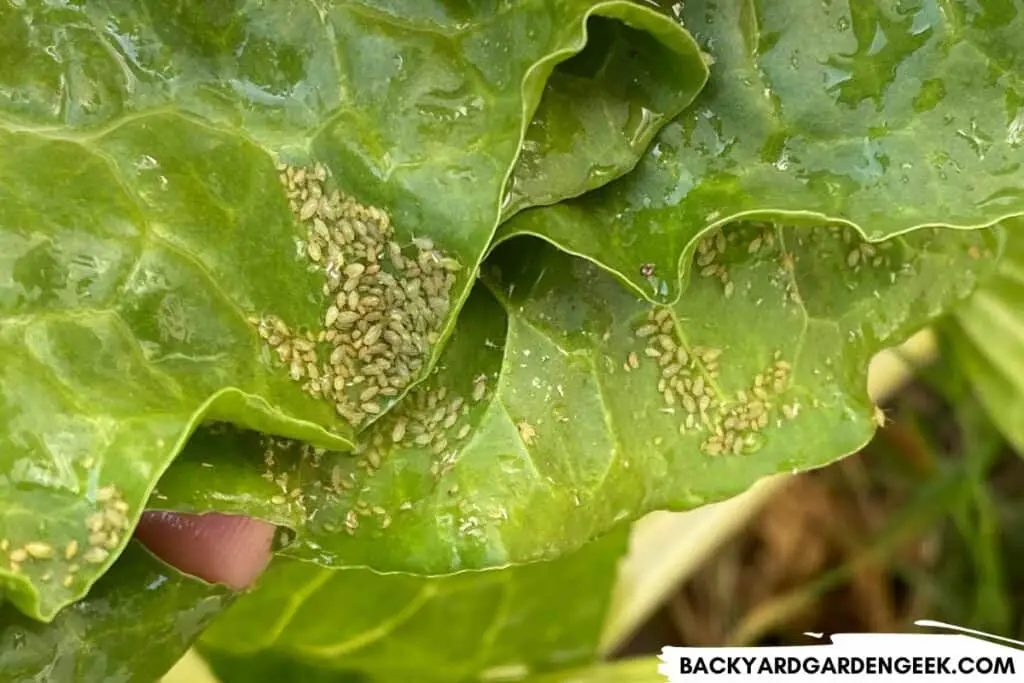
(308, 209)
(632, 361)
(398, 431)
(706, 258)
(314, 251)
(95, 555)
(106, 493)
(39, 550)
(115, 518)
(479, 389)
(526, 432)
(713, 447)
(373, 459)
(351, 520)
(646, 331)
(878, 417)
(19, 555)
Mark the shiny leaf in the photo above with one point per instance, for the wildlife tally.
(356, 625)
(567, 438)
(134, 625)
(885, 115)
(144, 227)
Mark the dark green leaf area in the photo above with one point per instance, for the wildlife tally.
(133, 626)
(353, 625)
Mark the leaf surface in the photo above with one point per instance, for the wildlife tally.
(884, 115)
(133, 626)
(537, 433)
(144, 226)
(334, 625)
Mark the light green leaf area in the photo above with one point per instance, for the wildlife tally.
(133, 626)
(144, 224)
(987, 338)
(638, 670)
(314, 624)
(565, 405)
(886, 115)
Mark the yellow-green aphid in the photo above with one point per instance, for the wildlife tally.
(39, 550)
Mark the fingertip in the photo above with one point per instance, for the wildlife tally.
(228, 549)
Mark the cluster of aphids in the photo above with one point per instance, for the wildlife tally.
(385, 303)
(104, 530)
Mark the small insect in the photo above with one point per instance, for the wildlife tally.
(647, 270)
(526, 432)
(879, 418)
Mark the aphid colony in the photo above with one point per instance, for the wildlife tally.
(861, 253)
(433, 419)
(710, 247)
(687, 380)
(105, 528)
(384, 305)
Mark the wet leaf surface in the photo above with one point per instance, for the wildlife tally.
(133, 626)
(883, 115)
(145, 228)
(569, 405)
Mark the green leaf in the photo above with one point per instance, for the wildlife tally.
(145, 228)
(987, 339)
(884, 115)
(638, 670)
(566, 440)
(316, 624)
(133, 626)
(602, 108)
